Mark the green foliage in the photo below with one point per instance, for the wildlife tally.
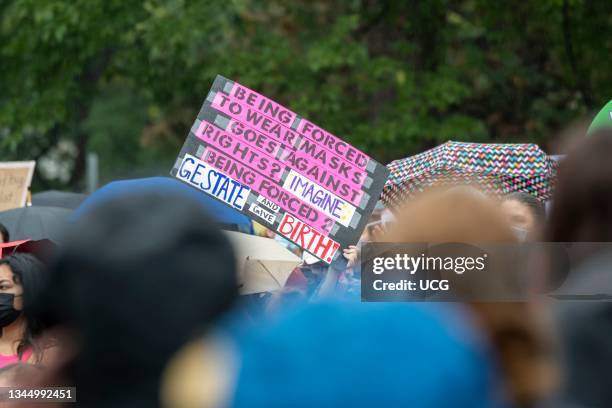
(126, 78)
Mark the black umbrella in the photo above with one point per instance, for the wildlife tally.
(35, 222)
(55, 198)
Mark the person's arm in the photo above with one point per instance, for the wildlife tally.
(329, 282)
(352, 255)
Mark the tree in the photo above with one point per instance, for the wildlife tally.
(126, 78)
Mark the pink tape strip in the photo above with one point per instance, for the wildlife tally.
(255, 138)
(258, 121)
(271, 168)
(351, 192)
(343, 169)
(281, 197)
(333, 143)
(263, 104)
(287, 116)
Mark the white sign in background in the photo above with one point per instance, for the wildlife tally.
(325, 201)
(212, 181)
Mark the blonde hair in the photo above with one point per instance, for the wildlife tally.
(462, 215)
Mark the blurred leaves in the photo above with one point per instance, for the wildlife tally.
(126, 78)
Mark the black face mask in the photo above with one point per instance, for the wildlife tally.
(8, 314)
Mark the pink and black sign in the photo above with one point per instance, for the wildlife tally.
(280, 169)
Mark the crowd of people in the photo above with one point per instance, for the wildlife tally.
(139, 306)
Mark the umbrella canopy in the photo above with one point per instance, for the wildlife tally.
(264, 265)
(499, 168)
(219, 212)
(602, 119)
(43, 249)
(55, 198)
(35, 222)
(7, 248)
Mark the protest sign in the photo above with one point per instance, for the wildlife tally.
(280, 169)
(15, 179)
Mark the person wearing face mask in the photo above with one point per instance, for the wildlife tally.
(20, 282)
(525, 213)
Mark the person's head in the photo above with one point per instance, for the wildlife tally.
(332, 353)
(524, 212)
(462, 216)
(458, 214)
(582, 202)
(4, 234)
(21, 281)
(137, 277)
(373, 222)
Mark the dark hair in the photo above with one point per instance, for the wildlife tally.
(535, 205)
(29, 272)
(6, 237)
(582, 203)
(137, 277)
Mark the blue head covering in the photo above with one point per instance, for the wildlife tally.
(221, 213)
(366, 355)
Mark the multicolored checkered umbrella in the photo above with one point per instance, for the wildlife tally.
(498, 168)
